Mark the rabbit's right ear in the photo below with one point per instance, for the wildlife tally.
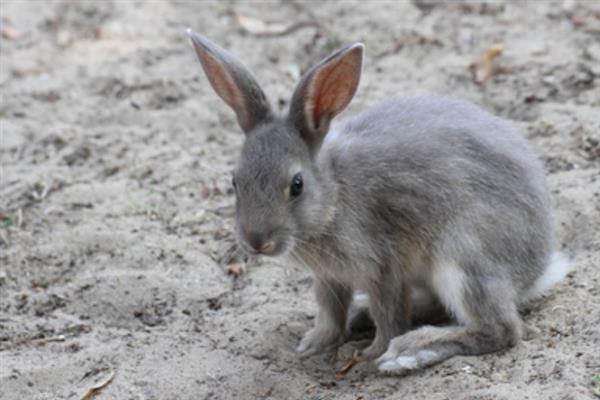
(324, 91)
(232, 82)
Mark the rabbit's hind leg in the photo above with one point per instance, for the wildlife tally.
(487, 321)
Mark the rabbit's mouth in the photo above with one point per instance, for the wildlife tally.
(274, 246)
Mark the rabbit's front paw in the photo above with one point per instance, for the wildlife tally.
(319, 340)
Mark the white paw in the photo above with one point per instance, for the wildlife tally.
(303, 346)
(399, 363)
(393, 362)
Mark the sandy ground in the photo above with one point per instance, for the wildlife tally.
(116, 211)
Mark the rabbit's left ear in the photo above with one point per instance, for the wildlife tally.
(324, 91)
(233, 82)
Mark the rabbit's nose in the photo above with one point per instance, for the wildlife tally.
(256, 240)
(260, 242)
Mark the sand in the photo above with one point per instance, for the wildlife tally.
(117, 212)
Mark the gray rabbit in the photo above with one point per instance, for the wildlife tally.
(418, 192)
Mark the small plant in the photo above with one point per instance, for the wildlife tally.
(597, 386)
(136, 208)
(6, 221)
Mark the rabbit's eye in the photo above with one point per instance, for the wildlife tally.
(296, 187)
(233, 181)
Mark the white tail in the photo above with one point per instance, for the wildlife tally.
(558, 267)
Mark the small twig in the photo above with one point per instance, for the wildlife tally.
(20, 218)
(45, 191)
(394, 49)
(41, 341)
(91, 392)
(260, 28)
(292, 28)
(342, 372)
(409, 39)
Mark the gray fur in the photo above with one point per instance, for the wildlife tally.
(427, 192)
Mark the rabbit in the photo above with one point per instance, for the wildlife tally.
(417, 192)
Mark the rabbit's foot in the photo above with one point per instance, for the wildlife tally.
(320, 339)
(401, 362)
(418, 349)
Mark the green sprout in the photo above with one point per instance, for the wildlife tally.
(136, 208)
(7, 221)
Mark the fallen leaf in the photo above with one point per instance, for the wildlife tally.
(484, 68)
(342, 372)
(578, 20)
(258, 27)
(10, 33)
(236, 269)
(91, 392)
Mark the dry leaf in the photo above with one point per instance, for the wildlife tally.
(10, 33)
(258, 27)
(236, 269)
(91, 392)
(484, 68)
(578, 20)
(342, 372)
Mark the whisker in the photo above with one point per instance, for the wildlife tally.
(327, 285)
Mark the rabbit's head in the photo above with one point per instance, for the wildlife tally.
(280, 193)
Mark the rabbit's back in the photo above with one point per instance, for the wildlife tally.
(441, 126)
(444, 175)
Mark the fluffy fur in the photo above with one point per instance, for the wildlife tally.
(418, 192)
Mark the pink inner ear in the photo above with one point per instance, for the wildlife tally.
(332, 89)
(224, 84)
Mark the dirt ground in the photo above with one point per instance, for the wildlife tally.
(116, 207)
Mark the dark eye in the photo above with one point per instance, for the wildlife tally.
(296, 187)
(233, 181)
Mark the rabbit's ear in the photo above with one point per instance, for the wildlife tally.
(233, 82)
(324, 91)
